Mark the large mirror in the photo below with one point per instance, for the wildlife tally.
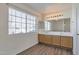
(60, 25)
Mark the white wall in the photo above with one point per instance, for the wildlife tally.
(13, 44)
(77, 26)
(73, 28)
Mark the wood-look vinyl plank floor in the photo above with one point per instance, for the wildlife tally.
(42, 49)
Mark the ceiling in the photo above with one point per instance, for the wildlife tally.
(45, 8)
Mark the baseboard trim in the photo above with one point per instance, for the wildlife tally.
(27, 48)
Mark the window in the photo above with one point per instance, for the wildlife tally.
(17, 21)
(30, 23)
(47, 25)
(20, 22)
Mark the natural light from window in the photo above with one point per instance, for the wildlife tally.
(20, 22)
(47, 25)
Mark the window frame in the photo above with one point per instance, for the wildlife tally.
(21, 17)
(47, 25)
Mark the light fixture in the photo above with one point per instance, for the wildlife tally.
(54, 16)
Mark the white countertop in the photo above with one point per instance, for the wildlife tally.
(57, 33)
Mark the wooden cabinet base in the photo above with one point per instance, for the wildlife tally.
(60, 41)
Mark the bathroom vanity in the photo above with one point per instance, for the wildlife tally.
(56, 32)
(61, 39)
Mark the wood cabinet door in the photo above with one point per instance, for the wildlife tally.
(44, 38)
(48, 39)
(66, 41)
(41, 38)
(56, 40)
